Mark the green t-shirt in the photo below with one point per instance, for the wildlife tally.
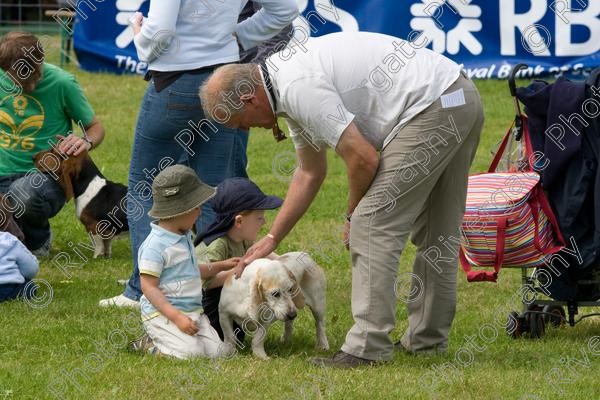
(220, 249)
(29, 121)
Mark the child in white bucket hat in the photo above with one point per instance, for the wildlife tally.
(171, 304)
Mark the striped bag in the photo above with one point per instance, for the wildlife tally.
(508, 221)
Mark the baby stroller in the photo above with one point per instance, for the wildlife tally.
(561, 126)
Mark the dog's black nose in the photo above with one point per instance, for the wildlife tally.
(291, 315)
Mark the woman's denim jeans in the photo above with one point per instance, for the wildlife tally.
(166, 125)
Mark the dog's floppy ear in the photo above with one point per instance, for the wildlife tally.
(47, 161)
(256, 296)
(297, 296)
(65, 181)
(60, 168)
(69, 170)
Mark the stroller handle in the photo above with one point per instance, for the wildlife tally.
(511, 79)
(518, 130)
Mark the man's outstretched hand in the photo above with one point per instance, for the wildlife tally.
(260, 249)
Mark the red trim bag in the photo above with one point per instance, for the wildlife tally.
(508, 220)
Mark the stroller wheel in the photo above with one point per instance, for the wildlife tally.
(514, 325)
(537, 325)
(558, 316)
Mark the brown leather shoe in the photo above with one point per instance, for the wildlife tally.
(342, 360)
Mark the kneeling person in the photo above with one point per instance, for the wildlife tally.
(17, 268)
(39, 103)
(171, 304)
(240, 207)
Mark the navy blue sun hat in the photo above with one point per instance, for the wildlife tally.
(234, 195)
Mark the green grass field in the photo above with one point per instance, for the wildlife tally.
(72, 349)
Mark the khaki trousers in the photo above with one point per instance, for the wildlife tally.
(172, 342)
(419, 190)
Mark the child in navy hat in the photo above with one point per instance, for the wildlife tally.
(240, 207)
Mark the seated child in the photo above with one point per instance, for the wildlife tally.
(240, 207)
(171, 304)
(7, 221)
(17, 267)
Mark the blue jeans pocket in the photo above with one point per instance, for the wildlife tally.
(182, 107)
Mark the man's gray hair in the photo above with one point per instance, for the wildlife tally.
(223, 89)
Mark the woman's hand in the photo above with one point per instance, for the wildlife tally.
(136, 22)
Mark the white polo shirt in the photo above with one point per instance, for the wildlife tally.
(380, 82)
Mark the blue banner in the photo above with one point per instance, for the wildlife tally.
(487, 37)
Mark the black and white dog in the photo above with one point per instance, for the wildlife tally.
(101, 205)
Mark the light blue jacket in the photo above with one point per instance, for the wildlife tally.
(16, 262)
(181, 35)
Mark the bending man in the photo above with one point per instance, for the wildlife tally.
(406, 121)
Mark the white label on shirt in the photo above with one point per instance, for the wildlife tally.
(453, 99)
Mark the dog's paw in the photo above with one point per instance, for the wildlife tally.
(259, 352)
(324, 346)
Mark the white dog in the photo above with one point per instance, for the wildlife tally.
(271, 290)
